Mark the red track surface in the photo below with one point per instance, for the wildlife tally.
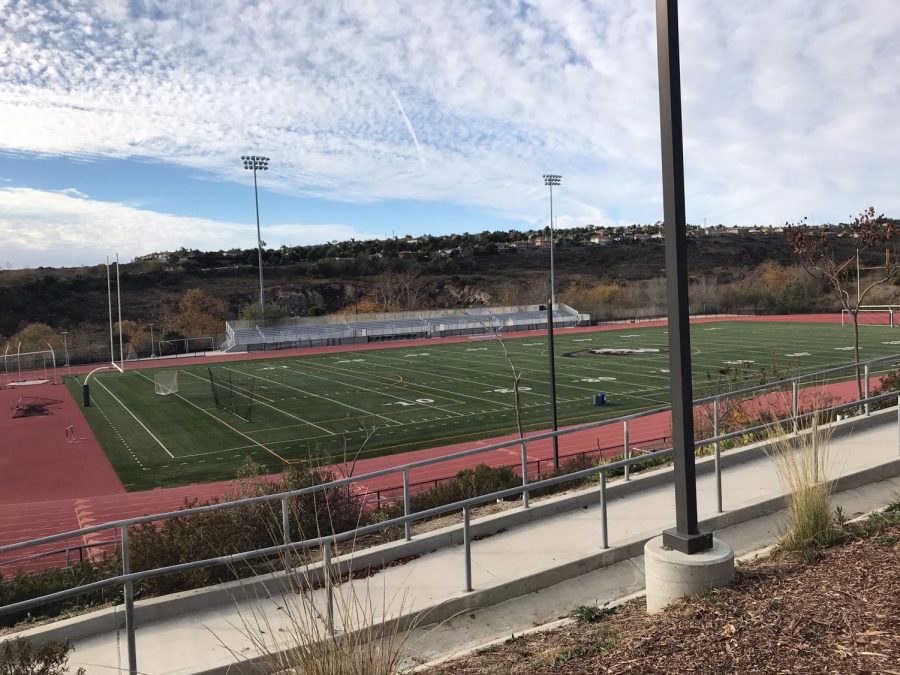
(49, 486)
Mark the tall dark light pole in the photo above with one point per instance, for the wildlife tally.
(551, 179)
(256, 163)
(685, 537)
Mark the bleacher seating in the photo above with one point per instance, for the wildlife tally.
(336, 330)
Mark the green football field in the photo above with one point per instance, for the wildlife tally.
(392, 400)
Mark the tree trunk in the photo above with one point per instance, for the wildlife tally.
(859, 384)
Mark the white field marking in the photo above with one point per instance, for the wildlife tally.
(891, 342)
(283, 412)
(482, 373)
(532, 344)
(583, 340)
(374, 391)
(411, 356)
(597, 379)
(507, 391)
(628, 336)
(664, 370)
(135, 416)
(221, 421)
(739, 362)
(712, 329)
(796, 354)
(324, 398)
(477, 349)
(349, 361)
(843, 349)
(443, 391)
(419, 401)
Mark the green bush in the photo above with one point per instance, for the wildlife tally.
(469, 483)
(26, 586)
(21, 657)
(229, 531)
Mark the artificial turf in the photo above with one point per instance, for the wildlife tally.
(385, 401)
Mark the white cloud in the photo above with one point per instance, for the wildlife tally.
(789, 105)
(61, 228)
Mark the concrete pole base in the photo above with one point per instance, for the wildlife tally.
(671, 574)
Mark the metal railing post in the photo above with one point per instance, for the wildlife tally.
(329, 587)
(286, 532)
(407, 527)
(866, 390)
(603, 521)
(717, 447)
(795, 404)
(524, 473)
(626, 450)
(129, 605)
(467, 548)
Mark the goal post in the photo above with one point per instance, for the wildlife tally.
(873, 315)
(165, 382)
(232, 392)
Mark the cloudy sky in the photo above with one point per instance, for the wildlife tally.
(122, 122)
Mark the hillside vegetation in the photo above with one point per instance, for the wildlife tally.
(190, 293)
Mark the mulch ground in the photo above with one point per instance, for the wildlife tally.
(837, 614)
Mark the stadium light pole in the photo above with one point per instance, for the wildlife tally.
(256, 163)
(152, 348)
(551, 179)
(686, 536)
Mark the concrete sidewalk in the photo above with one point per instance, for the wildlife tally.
(509, 564)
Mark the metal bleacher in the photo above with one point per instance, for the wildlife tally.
(242, 335)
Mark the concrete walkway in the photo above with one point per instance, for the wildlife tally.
(192, 642)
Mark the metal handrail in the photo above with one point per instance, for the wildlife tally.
(128, 578)
(406, 468)
(465, 504)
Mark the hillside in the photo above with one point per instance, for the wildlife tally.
(150, 289)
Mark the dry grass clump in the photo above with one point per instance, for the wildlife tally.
(369, 639)
(800, 463)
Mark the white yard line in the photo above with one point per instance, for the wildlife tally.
(128, 410)
(325, 398)
(269, 405)
(382, 393)
(222, 422)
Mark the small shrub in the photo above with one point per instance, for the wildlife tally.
(592, 613)
(230, 531)
(22, 587)
(21, 657)
(469, 483)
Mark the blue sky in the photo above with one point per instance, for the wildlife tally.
(122, 122)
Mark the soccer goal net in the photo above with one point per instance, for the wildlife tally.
(873, 315)
(165, 382)
(232, 392)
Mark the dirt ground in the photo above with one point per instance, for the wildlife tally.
(839, 613)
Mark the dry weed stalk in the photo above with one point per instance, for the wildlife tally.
(291, 633)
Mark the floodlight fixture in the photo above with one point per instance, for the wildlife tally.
(256, 163)
(552, 179)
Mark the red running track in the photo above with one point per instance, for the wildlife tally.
(75, 486)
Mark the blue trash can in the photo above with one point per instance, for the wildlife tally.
(600, 398)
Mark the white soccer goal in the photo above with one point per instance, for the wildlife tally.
(165, 382)
(873, 315)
